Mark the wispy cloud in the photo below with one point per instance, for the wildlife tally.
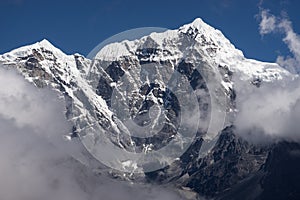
(270, 23)
(292, 40)
(267, 23)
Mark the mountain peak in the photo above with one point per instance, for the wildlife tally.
(200, 30)
(41, 46)
(199, 25)
(198, 22)
(45, 43)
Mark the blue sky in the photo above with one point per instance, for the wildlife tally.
(78, 25)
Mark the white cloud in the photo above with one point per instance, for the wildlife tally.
(40, 109)
(33, 162)
(267, 23)
(269, 112)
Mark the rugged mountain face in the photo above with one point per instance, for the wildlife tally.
(276, 179)
(135, 80)
(231, 160)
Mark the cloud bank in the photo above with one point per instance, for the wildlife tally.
(34, 167)
(270, 112)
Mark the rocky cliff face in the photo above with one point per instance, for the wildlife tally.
(98, 101)
(276, 179)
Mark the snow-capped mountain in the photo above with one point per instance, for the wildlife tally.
(96, 91)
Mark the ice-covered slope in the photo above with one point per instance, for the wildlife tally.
(196, 50)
